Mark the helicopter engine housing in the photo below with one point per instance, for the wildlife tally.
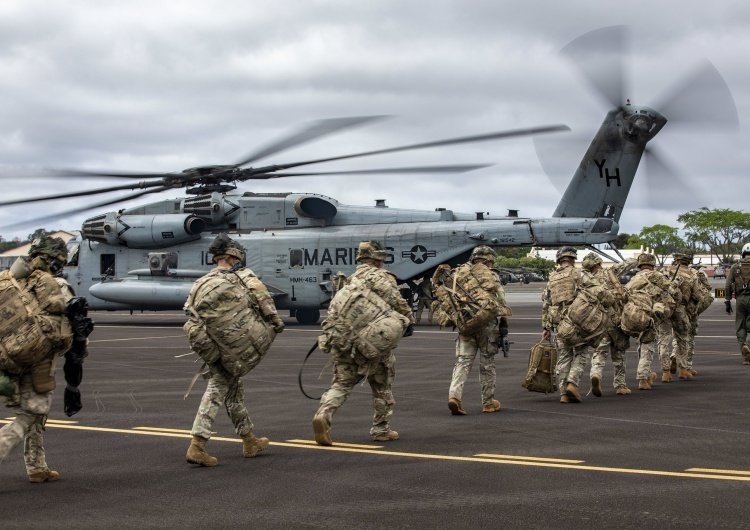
(143, 231)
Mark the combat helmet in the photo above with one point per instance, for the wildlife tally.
(483, 252)
(646, 259)
(566, 252)
(50, 247)
(684, 256)
(370, 250)
(590, 261)
(224, 245)
(746, 250)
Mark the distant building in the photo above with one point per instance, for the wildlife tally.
(9, 256)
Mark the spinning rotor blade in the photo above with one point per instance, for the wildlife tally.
(665, 183)
(599, 55)
(393, 170)
(39, 220)
(702, 98)
(316, 129)
(452, 141)
(110, 174)
(83, 193)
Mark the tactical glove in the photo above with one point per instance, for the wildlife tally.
(409, 331)
(729, 306)
(71, 400)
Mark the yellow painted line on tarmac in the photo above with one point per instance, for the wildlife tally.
(160, 429)
(62, 422)
(732, 475)
(720, 471)
(354, 446)
(530, 458)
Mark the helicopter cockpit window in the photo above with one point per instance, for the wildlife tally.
(73, 254)
(296, 258)
(107, 265)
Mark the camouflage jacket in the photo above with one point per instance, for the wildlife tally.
(738, 281)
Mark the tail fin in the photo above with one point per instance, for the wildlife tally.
(602, 181)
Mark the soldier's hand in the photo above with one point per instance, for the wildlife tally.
(409, 331)
(546, 334)
(277, 323)
(728, 303)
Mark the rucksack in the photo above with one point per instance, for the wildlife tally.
(540, 376)
(222, 326)
(584, 321)
(28, 333)
(359, 319)
(467, 297)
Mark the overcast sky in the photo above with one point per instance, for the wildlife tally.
(163, 86)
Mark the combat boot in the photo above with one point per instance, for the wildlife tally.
(622, 390)
(251, 445)
(47, 475)
(322, 431)
(196, 453)
(685, 374)
(746, 354)
(693, 371)
(387, 436)
(571, 390)
(644, 384)
(596, 386)
(666, 376)
(492, 406)
(455, 407)
(564, 399)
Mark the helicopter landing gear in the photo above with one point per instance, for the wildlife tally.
(307, 316)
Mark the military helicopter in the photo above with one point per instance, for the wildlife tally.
(147, 257)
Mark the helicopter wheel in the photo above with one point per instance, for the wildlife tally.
(307, 316)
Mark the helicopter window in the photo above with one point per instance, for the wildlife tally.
(73, 253)
(295, 258)
(107, 265)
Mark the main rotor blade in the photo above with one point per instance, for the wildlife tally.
(392, 170)
(599, 55)
(702, 98)
(39, 220)
(141, 185)
(110, 174)
(666, 183)
(452, 141)
(314, 130)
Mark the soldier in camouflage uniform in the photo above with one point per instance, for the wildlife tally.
(424, 299)
(351, 366)
(47, 255)
(689, 299)
(563, 286)
(738, 283)
(338, 282)
(694, 310)
(484, 342)
(223, 388)
(615, 341)
(650, 281)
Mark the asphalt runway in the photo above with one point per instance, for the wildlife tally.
(676, 456)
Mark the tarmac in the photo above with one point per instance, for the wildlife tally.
(673, 457)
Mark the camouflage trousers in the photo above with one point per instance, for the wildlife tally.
(742, 319)
(421, 304)
(28, 425)
(646, 350)
(226, 390)
(673, 340)
(347, 372)
(616, 353)
(690, 348)
(571, 362)
(467, 347)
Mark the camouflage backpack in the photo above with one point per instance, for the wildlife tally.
(648, 296)
(360, 320)
(33, 324)
(222, 326)
(467, 297)
(540, 375)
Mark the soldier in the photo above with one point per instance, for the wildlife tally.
(615, 341)
(338, 282)
(351, 362)
(656, 288)
(243, 290)
(483, 341)
(565, 284)
(424, 299)
(694, 310)
(35, 384)
(738, 283)
(689, 299)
